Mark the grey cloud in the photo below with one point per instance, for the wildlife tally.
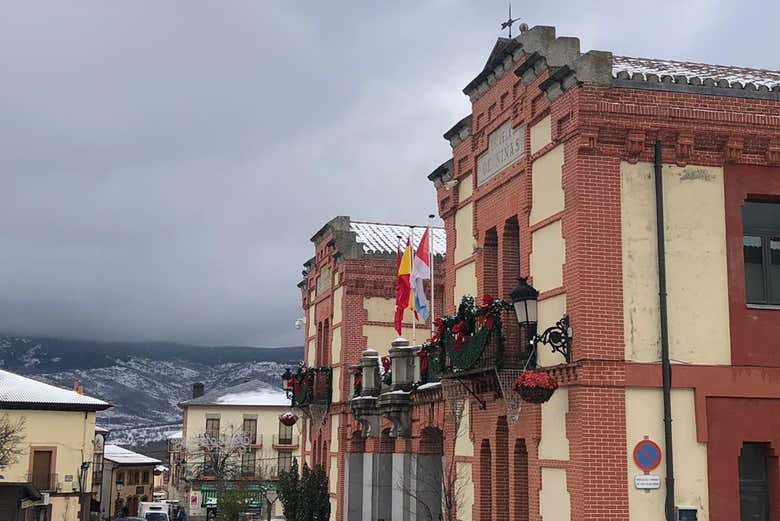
(164, 164)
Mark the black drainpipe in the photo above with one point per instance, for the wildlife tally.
(666, 366)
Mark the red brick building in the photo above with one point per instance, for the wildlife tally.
(348, 294)
(555, 181)
(553, 177)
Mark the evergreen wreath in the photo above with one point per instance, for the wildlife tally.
(462, 337)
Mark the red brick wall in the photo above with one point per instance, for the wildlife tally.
(749, 326)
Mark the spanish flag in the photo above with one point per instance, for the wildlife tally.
(403, 293)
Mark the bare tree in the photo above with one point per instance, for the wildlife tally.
(218, 456)
(10, 440)
(228, 459)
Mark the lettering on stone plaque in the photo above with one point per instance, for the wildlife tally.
(505, 146)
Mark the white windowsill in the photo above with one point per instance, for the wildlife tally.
(763, 306)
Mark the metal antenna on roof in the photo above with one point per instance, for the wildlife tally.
(509, 21)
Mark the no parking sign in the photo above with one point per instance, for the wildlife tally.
(647, 455)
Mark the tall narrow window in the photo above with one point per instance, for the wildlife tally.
(285, 434)
(248, 463)
(250, 430)
(761, 250)
(753, 483)
(284, 460)
(212, 428)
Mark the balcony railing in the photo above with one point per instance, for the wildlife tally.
(287, 441)
(43, 482)
(254, 439)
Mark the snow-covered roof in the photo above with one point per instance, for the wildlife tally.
(123, 456)
(625, 67)
(383, 238)
(20, 392)
(161, 468)
(252, 393)
(175, 436)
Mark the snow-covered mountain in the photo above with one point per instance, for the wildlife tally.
(144, 381)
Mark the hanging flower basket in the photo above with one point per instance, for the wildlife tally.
(535, 386)
(289, 419)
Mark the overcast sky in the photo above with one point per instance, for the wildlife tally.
(164, 164)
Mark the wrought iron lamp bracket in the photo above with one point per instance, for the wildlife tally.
(558, 337)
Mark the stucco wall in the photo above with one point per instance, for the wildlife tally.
(547, 190)
(547, 257)
(379, 309)
(336, 385)
(464, 232)
(338, 297)
(380, 337)
(541, 134)
(463, 444)
(554, 501)
(334, 432)
(550, 311)
(554, 444)
(312, 325)
(644, 413)
(695, 263)
(232, 418)
(465, 282)
(333, 477)
(465, 504)
(311, 352)
(71, 435)
(335, 345)
(465, 188)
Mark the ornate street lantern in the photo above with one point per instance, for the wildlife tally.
(558, 337)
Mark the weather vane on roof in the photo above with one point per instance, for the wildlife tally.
(510, 21)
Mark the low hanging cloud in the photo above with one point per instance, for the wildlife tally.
(163, 165)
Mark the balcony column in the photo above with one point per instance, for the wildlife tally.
(364, 407)
(396, 405)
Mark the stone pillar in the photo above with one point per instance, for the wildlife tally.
(383, 486)
(353, 486)
(368, 487)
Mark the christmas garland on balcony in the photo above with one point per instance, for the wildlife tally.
(302, 385)
(462, 337)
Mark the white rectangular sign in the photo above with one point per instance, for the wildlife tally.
(647, 482)
(505, 145)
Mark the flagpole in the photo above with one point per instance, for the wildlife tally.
(430, 261)
(411, 289)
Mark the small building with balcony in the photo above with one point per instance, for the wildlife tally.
(128, 479)
(51, 475)
(243, 423)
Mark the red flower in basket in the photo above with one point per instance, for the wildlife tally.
(487, 300)
(423, 360)
(288, 419)
(535, 386)
(386, 363)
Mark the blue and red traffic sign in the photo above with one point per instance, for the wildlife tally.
(647, 455)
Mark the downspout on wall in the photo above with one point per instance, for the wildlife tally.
(666, 366)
